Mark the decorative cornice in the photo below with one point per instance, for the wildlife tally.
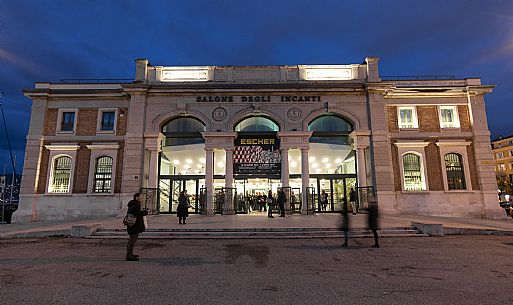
(453, 143)
(411, 144)
(104, 146)
(62, 147)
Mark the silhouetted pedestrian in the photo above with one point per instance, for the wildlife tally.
(373, 221)
(270, 203)
(282, 198)
(134, 208)
(353, 197)
(345, 222)
(182, 210)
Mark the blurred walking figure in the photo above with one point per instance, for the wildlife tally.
(345, 222)
(182, 210)
(373, 221)
(353, 197)
(134, 208)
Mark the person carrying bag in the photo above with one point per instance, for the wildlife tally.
(134, 227)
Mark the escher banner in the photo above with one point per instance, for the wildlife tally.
(257, 155)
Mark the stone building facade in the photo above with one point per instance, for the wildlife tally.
(229, 134)
(502, 149)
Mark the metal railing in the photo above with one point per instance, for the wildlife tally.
(149, 203)
(365, 194)
(96, 80)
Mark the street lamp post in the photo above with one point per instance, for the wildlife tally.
(12, 160)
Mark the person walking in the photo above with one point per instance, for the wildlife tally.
(345, 222)
(353, 198)
(134, 208)
(182, 210)
(270, 203)
(282, 198)
(373, 221)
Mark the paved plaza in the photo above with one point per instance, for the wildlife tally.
(430, 270)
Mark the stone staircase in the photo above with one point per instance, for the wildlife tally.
(257, 233)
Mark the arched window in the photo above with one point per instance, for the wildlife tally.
(183, 131)
(455, 173)
(103, 175)
(330, 129)
(257, 123)
(61, 175)
(412, 169)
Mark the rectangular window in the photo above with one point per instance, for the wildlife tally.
(511, 166)
(511, 153)
(502, 167)
(103, 175)
(500, 155)
(407, 117)
(449, 117)
(67, 121)
(107, 120)
(412, 170)
(61, 175)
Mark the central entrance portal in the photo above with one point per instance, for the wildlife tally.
(251, 194)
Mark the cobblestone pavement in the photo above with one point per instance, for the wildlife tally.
(431, 270)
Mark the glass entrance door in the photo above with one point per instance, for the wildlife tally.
(251, 194)
(332, 191)
(170, 189)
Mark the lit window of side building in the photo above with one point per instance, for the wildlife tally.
(229, 135)
(502, 149)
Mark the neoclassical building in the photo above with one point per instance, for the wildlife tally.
(229, 134)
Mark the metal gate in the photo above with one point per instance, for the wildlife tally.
(150, 201)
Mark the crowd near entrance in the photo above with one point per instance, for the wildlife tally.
(257, 167)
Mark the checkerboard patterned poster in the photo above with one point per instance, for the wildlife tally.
(257, 155)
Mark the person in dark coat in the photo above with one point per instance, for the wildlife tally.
(353, 197)
(182, 210)
(282, 198)
(373, 221)
(345, 222)
(134, 208)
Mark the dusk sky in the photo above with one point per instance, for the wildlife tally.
(50, 40)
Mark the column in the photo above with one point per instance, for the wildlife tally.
(153, 170)
(228, 182)
(305, 179)
(285, 176)
(362, 169)
(209, 179)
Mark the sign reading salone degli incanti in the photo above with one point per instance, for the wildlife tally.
(257, 155)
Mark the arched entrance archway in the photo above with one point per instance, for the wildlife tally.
(181, 163)
(332, 163)
(256, 163)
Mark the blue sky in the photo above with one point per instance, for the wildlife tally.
(49, 40)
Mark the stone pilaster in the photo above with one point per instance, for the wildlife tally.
(228, 208)
(285, 176)
(305, 179)
(28, 203)
(209, 180)
(484, 160)
(133, 160)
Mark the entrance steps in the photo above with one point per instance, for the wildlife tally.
(257, 233)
